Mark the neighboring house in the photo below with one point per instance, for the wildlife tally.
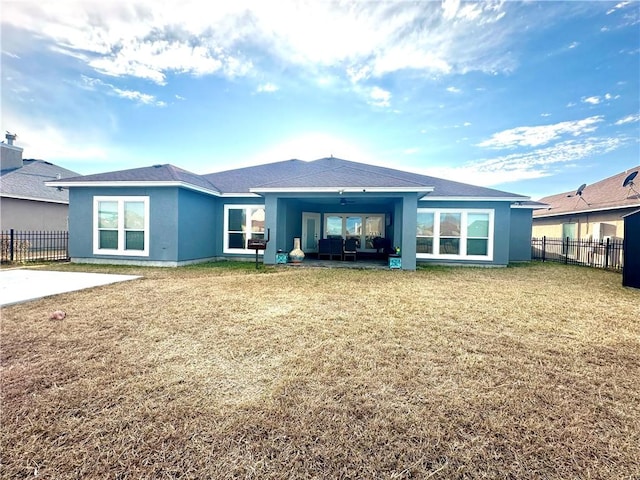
(163, 215)
(26, 203)
(593, 211)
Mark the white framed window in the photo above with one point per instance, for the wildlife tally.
(121, 225)
(456, 234)
(364, 228)
(242, 222)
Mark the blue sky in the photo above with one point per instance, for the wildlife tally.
(532, 97)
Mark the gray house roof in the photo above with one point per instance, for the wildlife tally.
(28, 182)
(605, 195)
(294, 175)
(160, 175)
(337, 173)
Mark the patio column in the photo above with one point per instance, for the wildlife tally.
(271, 223)
(408, 232)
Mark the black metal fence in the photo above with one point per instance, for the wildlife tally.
(34, 246)
(607, 253)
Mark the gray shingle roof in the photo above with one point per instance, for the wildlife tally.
(335, 172)
(28, 181)
(298, 174)
(240, 180)
(155, 173)
(605, 194)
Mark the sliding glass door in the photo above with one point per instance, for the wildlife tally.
(362, 227)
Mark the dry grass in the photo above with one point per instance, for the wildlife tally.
(527, 372)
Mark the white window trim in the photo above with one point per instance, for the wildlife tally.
(121, 237)
(225, 243)
(364, 217)
(463, 234)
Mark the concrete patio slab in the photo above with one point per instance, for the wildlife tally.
(23, 285)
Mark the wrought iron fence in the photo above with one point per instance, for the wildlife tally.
(607, 253)
(21, 247)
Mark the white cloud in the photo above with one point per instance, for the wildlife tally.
(453, 90)
(596, 100)
(379, 97)
(49, 142)
(541, 135)
(90, 83)
(450, 8)
(617, 7)
(139, 97)
(536, 163)
(148, 40)
(267, 88)
(629, 119)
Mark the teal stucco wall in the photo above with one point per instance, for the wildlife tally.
(501, 230)
(181, 225)
(520, 241)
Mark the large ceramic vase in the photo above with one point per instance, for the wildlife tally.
(296, 255)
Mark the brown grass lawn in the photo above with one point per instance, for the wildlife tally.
(219, 372)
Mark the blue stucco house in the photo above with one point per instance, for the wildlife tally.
(166, 216)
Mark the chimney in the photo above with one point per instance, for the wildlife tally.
(10, 155)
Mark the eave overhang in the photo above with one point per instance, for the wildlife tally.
(34, 199)
(341, 190)
(592, 210)
(136, 184)
(429, 198)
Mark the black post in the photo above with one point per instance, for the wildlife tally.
(11, 245)
(606, 255)
(544, 247)
(566, 252)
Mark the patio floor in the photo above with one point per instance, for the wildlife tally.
(358, 264)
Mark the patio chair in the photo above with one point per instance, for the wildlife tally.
(350, 249)
(382, 246)
(336, 246)
(324, 248)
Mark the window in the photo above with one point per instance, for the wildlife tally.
(450, 228)
(333, 226)
(242, 222)
(121, 226)
(374, 228)
(353, 229)
(361, 227)
(425, 232)
(454, 234)
(477, 234)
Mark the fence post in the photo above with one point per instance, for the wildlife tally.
(606, 254)
(544, 247)
(11, 245)
(566, 251)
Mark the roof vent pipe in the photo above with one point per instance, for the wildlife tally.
(10, 137)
